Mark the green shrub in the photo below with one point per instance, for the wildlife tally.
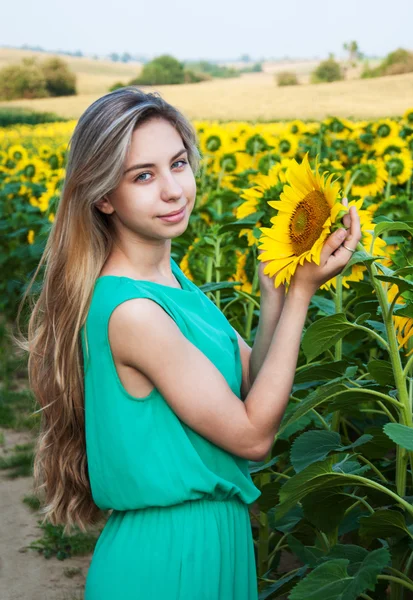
(327, 71)
(25, 80)
(191, 76)
(60, 81)
(286, 78)
(31, 79)
(116, 86)
(15, 115)
(162, 70)
(395, 63)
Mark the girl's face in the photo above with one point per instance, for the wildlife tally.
(157, 180)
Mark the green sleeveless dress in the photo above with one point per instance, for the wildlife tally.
(180, 526)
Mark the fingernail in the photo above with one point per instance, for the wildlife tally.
(342, 233)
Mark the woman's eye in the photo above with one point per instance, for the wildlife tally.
(138, 177)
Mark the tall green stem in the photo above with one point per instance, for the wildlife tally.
(405, 413)
(250, 310)
(218, 256)
(338, 351)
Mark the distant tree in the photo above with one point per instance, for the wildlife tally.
(245, 58)
(395, 63)
(162, 70)
(353, 52)
(327, 71)
(60, 81)
(126, 57)
(24, 80)
(114, 56)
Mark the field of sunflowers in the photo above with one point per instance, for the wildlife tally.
(335, 513)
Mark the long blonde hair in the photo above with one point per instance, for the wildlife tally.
(77, 247)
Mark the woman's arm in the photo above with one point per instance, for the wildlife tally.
(253, 358)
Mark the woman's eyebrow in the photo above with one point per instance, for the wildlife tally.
(146, 165)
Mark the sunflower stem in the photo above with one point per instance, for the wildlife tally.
(338, 350)
(250, 313)
(388, 189)
(404, 411)
(351, 183)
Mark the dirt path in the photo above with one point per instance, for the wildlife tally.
(25, 574)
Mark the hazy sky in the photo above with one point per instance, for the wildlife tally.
(212, 29)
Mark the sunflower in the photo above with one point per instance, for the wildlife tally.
(286, 145)
(408, 116)
(240, 274)
(306, 211)
(18, 153)
(389, 144)
(384, 128)
(370, 180)
(398, 166)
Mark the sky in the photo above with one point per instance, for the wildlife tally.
(212, 29)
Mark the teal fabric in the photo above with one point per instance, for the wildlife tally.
(180, 526)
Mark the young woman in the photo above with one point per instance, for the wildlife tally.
(152, 404)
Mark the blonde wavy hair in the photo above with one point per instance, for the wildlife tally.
(79, 242)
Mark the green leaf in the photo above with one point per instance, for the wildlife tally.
(250, 220)
(222, 285)
(269, 495)
(332, 581)
(402, 435)
(403, 284)
(309, 555)
(312, 446)
(382, 524)
(321, 371)
(321, 394)
(324, 333)
(319, 475)
(351, 399)
(325, 509)
(324, 305)
(395, 226)
(360, 256)
(328, 581)
(404, 271)
(361, 318)
(288, 521)
(404, 311)
(379, 445)
(269, 591)
(381, 371)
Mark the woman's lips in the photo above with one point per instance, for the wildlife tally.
(174, 218)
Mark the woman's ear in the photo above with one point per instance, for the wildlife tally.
(105, 206)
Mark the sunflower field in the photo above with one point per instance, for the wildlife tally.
(335, 515)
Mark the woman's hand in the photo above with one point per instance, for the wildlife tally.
(333, 259)
(267, 286)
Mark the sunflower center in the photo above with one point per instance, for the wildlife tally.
(367, 138)
(383, 130)
(395, 166)
(307, 221)
(284, 146)
(213, 143)
(367, 174)
(228, 163)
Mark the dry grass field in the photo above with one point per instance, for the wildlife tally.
(253, 96)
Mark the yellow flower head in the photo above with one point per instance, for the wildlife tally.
(385, 128)
(306, 211)
(399, 166)
(368, 176)
(408, 116)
